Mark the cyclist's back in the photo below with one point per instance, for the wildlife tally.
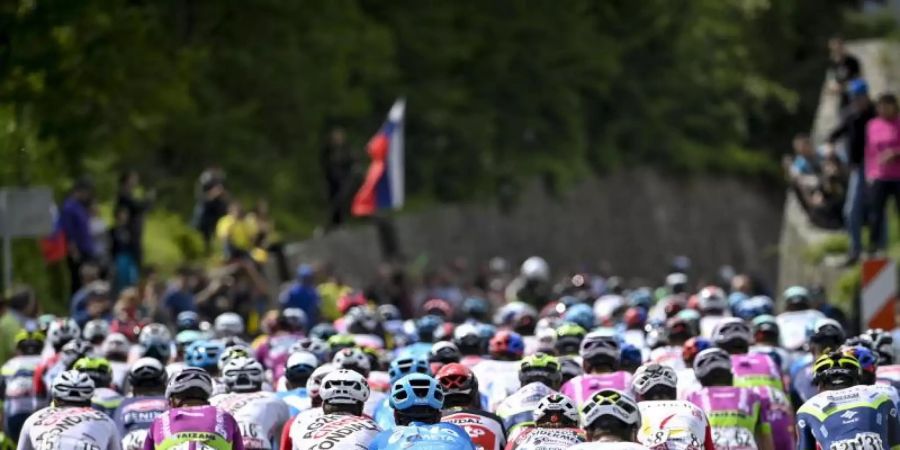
(438, 436)
(735, 415)
(260, 416)
(334, 431)
(134, 416)
(485, 429)
(582, 387)
(519, 407)
(855, 417)
(19, 400)
(756, 369)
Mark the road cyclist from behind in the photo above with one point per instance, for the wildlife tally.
(555, 426)
(342, 424)
(299, 366)
(540, 376)
(259, 414)
(737, 415)
(19, 400)
(667, 423)
(106, 399)
(868, 365)
(191, 423)
(69, 423)
(499, 375)
(147, 379)
(398, 368)
(845, 414)
(462, 406)
(600, 353)
(611, 421)
(417, 400)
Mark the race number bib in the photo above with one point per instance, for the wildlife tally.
(862, 441)
(134, 440)
(733, 438)
(56, 441)
(482, 437)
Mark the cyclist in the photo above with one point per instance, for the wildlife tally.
(105, 398)
(18, 381)
(260, 415)
(228, 325)
(462, 406)
(70, 423)
(668, 423)
(274, 350)
(600, 354)
(95, 332)
(677, 330)
(344, 392)
(868, 364)
(298, 368)
(155, 341)
(205, 355)
(59, 333)
(469, 343)
(798, 313)
(827, 335)
(399, 368)
(611, 421)
(713, 306)
(881, 343)
(844, 414)
(767, 336)
(417, 400)
(313, 386)
(506, 348)
(687, 380)
(191, 419)
(737, 415)
(750, 369)
(568, 339)
(443, 352)
(630, 358)
(134, 415)
(555, 426)
(539, 376)
(115, 349)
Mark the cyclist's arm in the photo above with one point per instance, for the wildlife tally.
(893, 425)
(148, 441)
(708, 443)
(286, 441)
(237, 441)
(25, 437)
(805, 438)
(115, 440)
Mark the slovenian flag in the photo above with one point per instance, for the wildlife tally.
(383, 186)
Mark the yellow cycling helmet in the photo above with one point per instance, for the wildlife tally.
(838, 369)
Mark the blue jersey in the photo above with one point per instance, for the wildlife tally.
(415, 350)
(296, 399)
(856, 418)
(384, 415)
(419, 436)
(137, 413)
(802, 387)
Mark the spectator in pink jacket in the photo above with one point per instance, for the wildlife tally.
(882, 161)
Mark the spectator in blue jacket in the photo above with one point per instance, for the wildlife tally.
(75, 221)
(302, 293)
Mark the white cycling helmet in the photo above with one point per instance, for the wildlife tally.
(96, 329)
(235, 351)
(353, 359)
(711, 359)
(62, 331)
(558, 404)
(314, 384)
(712, 298)
(75, 350)
(147, 372)
(154, 333)
(344, 387)
(535, 268)
(546, 338)
(116, 344)
(651, 375)
(73, 386)
(731, 329)
(611, 403)
(600, 343)
(228, 325)
(242, 374)
(189, 379)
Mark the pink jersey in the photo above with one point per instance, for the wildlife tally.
(582, 387)
(780, 416)
(755, 369)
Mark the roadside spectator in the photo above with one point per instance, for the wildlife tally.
(330, 291)
(127, 314)
(883, 163)
(124, 251)
(179, 296)
(212, 202)
(89, 273)
(842, 67)
(94, 304)
(131, 200)
(237, 231)
(302, 293)
(337, 164)
(852, 129)
(19, 311)
(75, 220)
(269, 239)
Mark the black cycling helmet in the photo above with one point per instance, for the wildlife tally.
(836, 369)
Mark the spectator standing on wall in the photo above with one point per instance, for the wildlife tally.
(852, 129)
(843, 68)
(124, 252)
(131, 199)
(337, 164)
(883, 163)
(212, 202)
(75, 220)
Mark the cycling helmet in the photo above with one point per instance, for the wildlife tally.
(882, 343)
(300, 366)
(96, 331)
(350, 300)
(641, 298)
(62, 331)
(673, 305)
(457, 379)
(556, 408)
(569, 368)
(468, 339)
(242, 374)
(630, 357)
(315, 346)
(416, 389)
(322, 331)
(732, 331)
(476, 308)
(204, 354)
(546, 340)
(679, 328)
(344, 387)
(610, 403)
(402, 367)
(292, 319)
(535, 268)
(97, 368)
(797, 297)
(352, 359)
(314, 383)
(429, 328)
(676, 283)
(228, 324)
(581, 315)
(187, 320)
(444, 352)
(600, 346)
(765, 328)
(389, 313)
(693, 347)
(191, 382)
(72, 386)
(115, 346)
(506, 344)
(147, 372)
(735, 299)
(340, 342)
(516, 316)
(753, 307)
(712, 298)
(438, 307)
(540, 367)
(231, 353)
(711, 359)
(652, 375)
(29, 342)
(568, 338)
(868, 360)
(188, 337)
(635, 318)
(826, 332)
(44, 321)
(154, 333)
(75, 350)
(837, 369)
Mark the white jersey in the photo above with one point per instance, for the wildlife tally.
(69, 428)
(708, 324)
(260, 416)
(18, 375)
(497, 379)
(687, 382)
(888, 390)
(333, 431)
(307, 415)
(119, 373)
(608, 446)
(673, 425)
(669, 355)
(375, 398)
(792, 326)
(518, 408)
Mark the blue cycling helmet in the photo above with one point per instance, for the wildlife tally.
(581, 315)
(868, 360)
(204, 354)
(400, 368)
(416, 389)
(630, 356)
(735, 298)
(428, 326)
(486, 331)
(754, 307)
(476, 308)
(187, 320)
(642, 297)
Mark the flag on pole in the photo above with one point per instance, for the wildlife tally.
(383, 186)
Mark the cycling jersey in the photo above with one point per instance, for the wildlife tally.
(372, 403)
(534, 438)
(781, 416)
(889, 372)
(274, 351)
(134, 416)
(331, 431)
(260, 416)
(471, 361)
(608, 446)
(119, 374)
(384, 415)
(296, 399)
(419, 436)
(855, 418)
(802, 387)
(518, 408)
(582, 387)
(735, 415)
(106, 400)
(889, 390)
(792, 325)
(207, 425)
(755, 369)
(379, 381)
(674, 425)
(44, 374)
(485, 429)
(709, 323)
(19, 400)
(69, 428)
(497, 379)
(687, 382)
(784, 357)
(669, 355)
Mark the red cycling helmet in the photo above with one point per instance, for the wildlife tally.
(456, 378)
(634, 318)
(506, 343)
(692, 347)
(674, 305)
(350, 300)
(438, 307)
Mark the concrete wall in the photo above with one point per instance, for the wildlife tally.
(633, 221)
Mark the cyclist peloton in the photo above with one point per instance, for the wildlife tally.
(600, 360)
(399, 368)
(667, 423)
(539, 376)
(297, 370)
(260, 415)
(134, 415)
(611, 421)
(555, 426)
(462, 406)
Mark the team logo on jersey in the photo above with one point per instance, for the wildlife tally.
(849, 414)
